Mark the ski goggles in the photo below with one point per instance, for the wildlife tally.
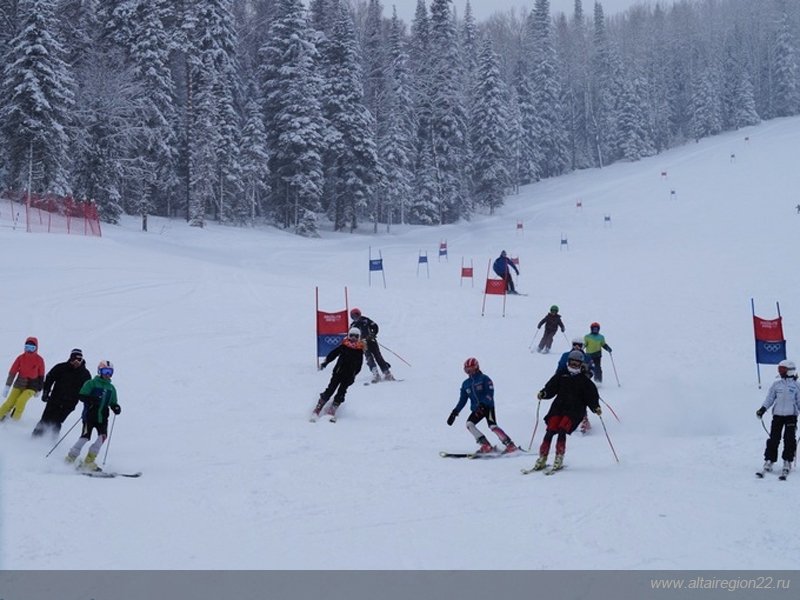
(29, 347)
(106, 372)
(575, 364)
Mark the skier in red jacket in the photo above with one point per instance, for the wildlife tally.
(27, 377)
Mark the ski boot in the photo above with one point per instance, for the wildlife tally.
(89, 464)
(388, 376)
(486, 447)
(331, 412)
(318, 409)
(540, 463)
(586, 426)
(510, 447)
(787, 466)
(558, 463)
(70, 459)
(768, 466)
(376, 376)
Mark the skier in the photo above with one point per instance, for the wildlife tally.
(574, 392)
(595, 343)
(552, 322)
(784, 398)
(350, 354)
(502, 266)
(372, 351)
(98, 396)
(61, 388)
(561, 369)
(27, 376)
(479, 389)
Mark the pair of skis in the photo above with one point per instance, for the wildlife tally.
(110, 474)
(782, 477)
(481, 455)
(547, 470)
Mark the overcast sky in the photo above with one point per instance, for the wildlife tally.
(484, 8)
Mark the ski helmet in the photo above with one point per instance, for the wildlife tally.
(554, 309)
(594, 326)
(471, 366)
(503, 253)
(575, 361)
(786, 368)
(355, 313)
(577, 342)
(354, 332)
(105, 368)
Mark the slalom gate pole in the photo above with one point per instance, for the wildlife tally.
(108, 445)
(535, 425)
(608, 438)
(395, 353)
(613, 366)
(62, 437)
(611, 409)
(535, 335)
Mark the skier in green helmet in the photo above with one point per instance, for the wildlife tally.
(552, 322)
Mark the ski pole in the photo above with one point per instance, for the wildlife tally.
(62, 437)
(108, 445)
(395, 353)
(536, 425)
(535, 335)
(613, 366)
(762, 424)
(608, 438)
(611, 409)
(569, 343)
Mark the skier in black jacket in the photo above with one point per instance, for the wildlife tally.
(60, 392)
(350, 354)
(574, 392)
(372, 350)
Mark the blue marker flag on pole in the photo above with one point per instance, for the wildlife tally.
(770, 353)
(376, 264)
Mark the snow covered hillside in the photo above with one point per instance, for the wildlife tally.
(212, 335)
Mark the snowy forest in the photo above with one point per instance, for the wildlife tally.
(336, 112)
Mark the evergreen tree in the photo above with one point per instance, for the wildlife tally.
(785, 89)
(255, 161)
(706, 113)
(354, 167)
(448, 119)
(546, 87)
(397, 149)
(530, 152)
(37, 98)
(489, 127)
(292, 117)
(426, 196)
(157, 118)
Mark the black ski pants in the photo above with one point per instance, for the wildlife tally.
(786, 425)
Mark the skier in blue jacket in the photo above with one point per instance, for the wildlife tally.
(479, 390)
(502, 266)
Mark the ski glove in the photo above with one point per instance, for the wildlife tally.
(5, 391)
(608, 348)
(322, 366)
(598, 411)
(452, 418)
(45, 396)
(760, 412)
(116, 409)
(540, 395)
